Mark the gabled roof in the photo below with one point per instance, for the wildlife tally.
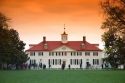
(76, 45)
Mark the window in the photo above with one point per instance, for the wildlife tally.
(87, 53)
(79, 53)
(71, 61)
(74, 53)
(62, 53)
(56, 54)
(64, 37)
(59, 53)
(53, 61)
(57, 61)
(49, 53)
(60, 61)
(81, 61)
(40, 53)
(87, 60)
(40, 60)
(49, 61)
(77, 61)
(32, 61)
(32, 53)
(95, 53)
(71, 53)
(52, 53)
(65, 53)
(95, 61)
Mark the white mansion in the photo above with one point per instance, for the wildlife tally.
(74, 54)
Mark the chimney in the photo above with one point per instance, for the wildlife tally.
(44, 39)
(84, 39)
(45, 45)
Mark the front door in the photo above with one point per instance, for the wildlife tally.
(63, 64)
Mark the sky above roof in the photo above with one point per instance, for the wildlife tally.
(34, 19)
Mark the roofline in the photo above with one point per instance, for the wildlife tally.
(61, 51)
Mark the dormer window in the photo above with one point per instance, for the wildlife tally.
(82, 45)
(45, 46)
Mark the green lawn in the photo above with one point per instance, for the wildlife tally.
(59, 76)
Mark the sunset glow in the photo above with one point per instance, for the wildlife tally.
(34, 19)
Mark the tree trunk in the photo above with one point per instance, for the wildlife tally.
(0, 66)
(124, 66)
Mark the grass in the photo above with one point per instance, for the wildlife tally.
(59, 76)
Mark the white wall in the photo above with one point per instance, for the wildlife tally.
(46, 56)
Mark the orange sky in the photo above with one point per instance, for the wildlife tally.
(36, 18)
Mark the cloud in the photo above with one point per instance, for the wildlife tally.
(68, 6)
(31, 17)
(50, 10)
(50, 6)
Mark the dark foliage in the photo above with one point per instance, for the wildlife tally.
(11, 47)
(114, 37)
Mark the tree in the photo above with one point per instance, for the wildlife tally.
(11, 47)
(114, 11)
(114, 48)
(114, 37)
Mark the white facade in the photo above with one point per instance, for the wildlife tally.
(70, 56)
(65, 54)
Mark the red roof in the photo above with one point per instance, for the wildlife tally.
(76, 45)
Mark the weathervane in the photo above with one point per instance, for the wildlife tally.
(64, 27)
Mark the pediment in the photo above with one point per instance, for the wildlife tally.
(64, 48)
